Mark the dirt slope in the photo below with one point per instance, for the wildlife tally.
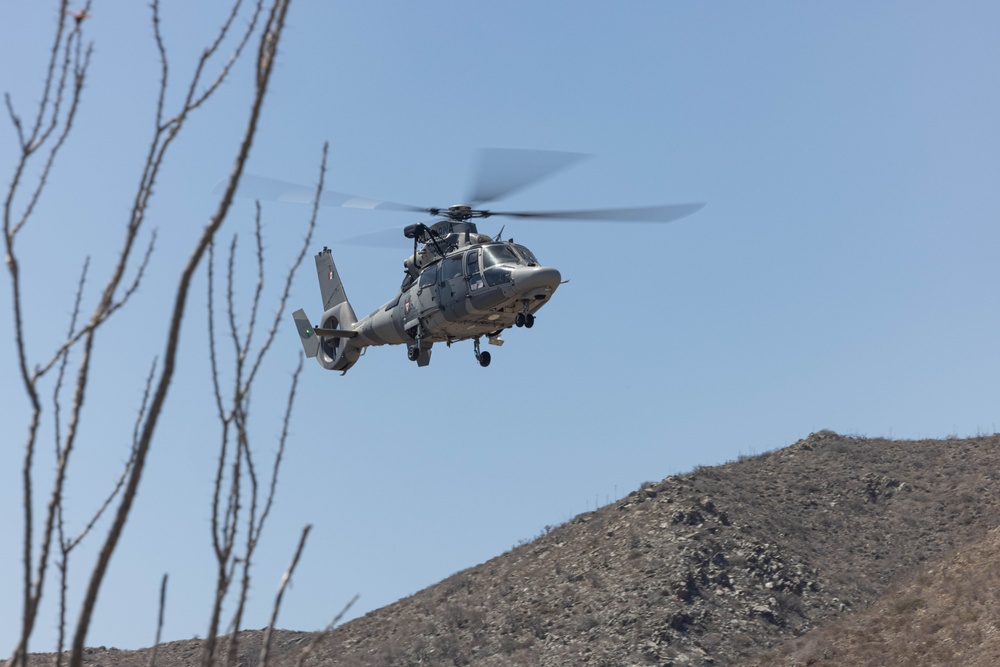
(716, 567)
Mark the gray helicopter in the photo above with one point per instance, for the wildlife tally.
(459, 284)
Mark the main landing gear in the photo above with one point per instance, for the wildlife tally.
(482, 357)
(418, 350)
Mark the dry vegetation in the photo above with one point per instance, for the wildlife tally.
(946, 614)
(835, 550)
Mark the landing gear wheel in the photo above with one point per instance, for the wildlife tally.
(519, 320)
(412, 353)
(529, 320)
(482, 357)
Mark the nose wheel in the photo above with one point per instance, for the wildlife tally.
(524, 320)
(482, 357)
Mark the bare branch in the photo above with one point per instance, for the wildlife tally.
(266, 648)
(75, 336)
(269, 43)
(303, 249)
(320, 636)
(70, 544)
(231, 312)
(235, 416)
(79, 66)
(14, 119)
(192, 101)
(41, 141)
(29, 143)
(159, 620)
(59, 455)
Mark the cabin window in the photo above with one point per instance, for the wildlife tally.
(429, 276)
(472, 270)
(451, 267)
(471, 262)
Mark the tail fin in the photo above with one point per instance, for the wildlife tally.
(331, 343)
(330, 286)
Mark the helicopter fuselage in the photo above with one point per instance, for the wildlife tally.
(469, 286)
(471, 292)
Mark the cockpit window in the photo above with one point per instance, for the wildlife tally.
(529, 257)
(498, 260)
(498, 254)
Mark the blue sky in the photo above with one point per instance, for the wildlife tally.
(842, 276)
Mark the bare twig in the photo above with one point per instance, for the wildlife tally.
(40, 140)
(266, 643)
(159, 620)
(232, 494)
(46, 122)
(320, 636)
(268, 45)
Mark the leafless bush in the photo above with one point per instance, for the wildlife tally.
(56, 385)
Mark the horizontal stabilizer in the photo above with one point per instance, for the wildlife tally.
(335, 333)
(310, 343)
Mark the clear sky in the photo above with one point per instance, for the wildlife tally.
(843, 274)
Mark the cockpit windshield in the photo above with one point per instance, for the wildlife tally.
(498, 253)
(529, 257)
(498, 262)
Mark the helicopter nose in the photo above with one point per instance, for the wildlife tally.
(543, 280)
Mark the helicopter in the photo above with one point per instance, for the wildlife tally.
(459, 284)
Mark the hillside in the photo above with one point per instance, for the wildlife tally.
(944, 615)
(830, 538)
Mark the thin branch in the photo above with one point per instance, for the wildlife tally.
(80, 68)
(75, 336)
(266, 648)
(251, 326)
(59, 456)
(269, 42)
(32, 591)
(159, 621)
(95, 517)
(303, 249)
(236, 416)
(320, 636)
(67, 70)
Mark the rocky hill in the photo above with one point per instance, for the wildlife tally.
(813, 554)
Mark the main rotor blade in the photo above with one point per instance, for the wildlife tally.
(383, 238)
(502, 171)
(666, 213)
(271, 189)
